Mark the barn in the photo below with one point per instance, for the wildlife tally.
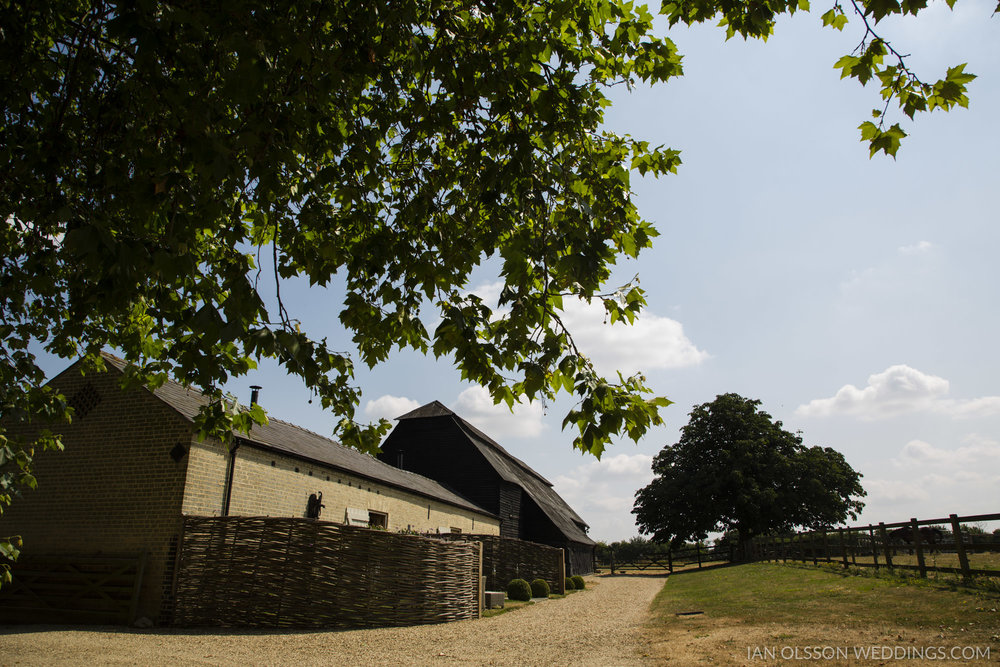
(133, 467)
(434, 442)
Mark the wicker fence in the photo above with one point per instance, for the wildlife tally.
(506, 558)
(287, 572)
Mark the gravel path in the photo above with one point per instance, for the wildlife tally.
(600, 627)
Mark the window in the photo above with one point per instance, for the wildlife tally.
(378, 520)
(456, 530)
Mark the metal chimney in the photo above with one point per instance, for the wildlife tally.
(254, 394)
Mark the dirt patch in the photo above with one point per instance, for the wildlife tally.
(695, 640)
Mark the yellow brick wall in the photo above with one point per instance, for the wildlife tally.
(206, 479)
(114, 490)
(283, 489)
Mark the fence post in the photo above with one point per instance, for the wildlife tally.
(481, 581)
(920, 550)
(885, 544)
(561, 584)
(670, 560)
(843, 546)
(871, 536)
(963, 558)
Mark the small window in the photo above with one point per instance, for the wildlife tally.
(378, 520)
(456, 530)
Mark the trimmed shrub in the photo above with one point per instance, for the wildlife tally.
(519, 589)
(578, 582)
(539, 588)
(569, 584)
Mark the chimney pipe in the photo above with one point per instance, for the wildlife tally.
(254, 394)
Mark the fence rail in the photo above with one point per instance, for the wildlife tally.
(698, 555)
(925, 545)
(940, 545)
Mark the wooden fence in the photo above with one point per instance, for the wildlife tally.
(506, 558)
(940, 545)
(698, 555)
(290, 572)
(72, 589)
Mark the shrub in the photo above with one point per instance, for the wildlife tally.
(519, 589)
(578, 582)
(539, 588)
(569, 584)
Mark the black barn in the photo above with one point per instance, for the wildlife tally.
(435, 442)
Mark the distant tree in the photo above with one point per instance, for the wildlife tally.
(736, 469)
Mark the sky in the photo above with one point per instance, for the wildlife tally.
(856, 298)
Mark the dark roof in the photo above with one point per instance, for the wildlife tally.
(512, 469)
(286, 438)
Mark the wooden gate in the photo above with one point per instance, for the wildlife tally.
(73, 589)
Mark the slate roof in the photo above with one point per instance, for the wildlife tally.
(286, 438)
(512, 469)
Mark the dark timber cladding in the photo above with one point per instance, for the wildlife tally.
(435, 442)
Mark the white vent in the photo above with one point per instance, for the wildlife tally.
(356, 517)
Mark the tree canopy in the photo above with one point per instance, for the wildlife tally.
(736, 469)
(167, 165)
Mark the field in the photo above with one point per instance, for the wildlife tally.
(760, 613)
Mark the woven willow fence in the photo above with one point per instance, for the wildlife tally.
(506, 558)
(288, 572)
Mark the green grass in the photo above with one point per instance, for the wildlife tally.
(801, 596)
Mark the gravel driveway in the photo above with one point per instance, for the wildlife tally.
(602, 626)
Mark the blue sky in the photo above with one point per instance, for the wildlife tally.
(856, 298)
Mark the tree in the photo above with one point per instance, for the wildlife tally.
(167, 165)
(735, 469)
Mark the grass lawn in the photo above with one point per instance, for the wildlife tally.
(758, 613)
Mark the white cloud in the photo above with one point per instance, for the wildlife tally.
(389, 407)
(476, 406)
(916, 248)
(603, 492)
(896, 391)
(979, 452)
(650, 342)
(891, 492)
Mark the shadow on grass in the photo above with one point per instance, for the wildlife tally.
(704, 568)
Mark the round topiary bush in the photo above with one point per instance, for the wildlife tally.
(578, 582)
(519, 589)
(569, 584)
(539, 588)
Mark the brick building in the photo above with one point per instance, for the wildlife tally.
(133, 466)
